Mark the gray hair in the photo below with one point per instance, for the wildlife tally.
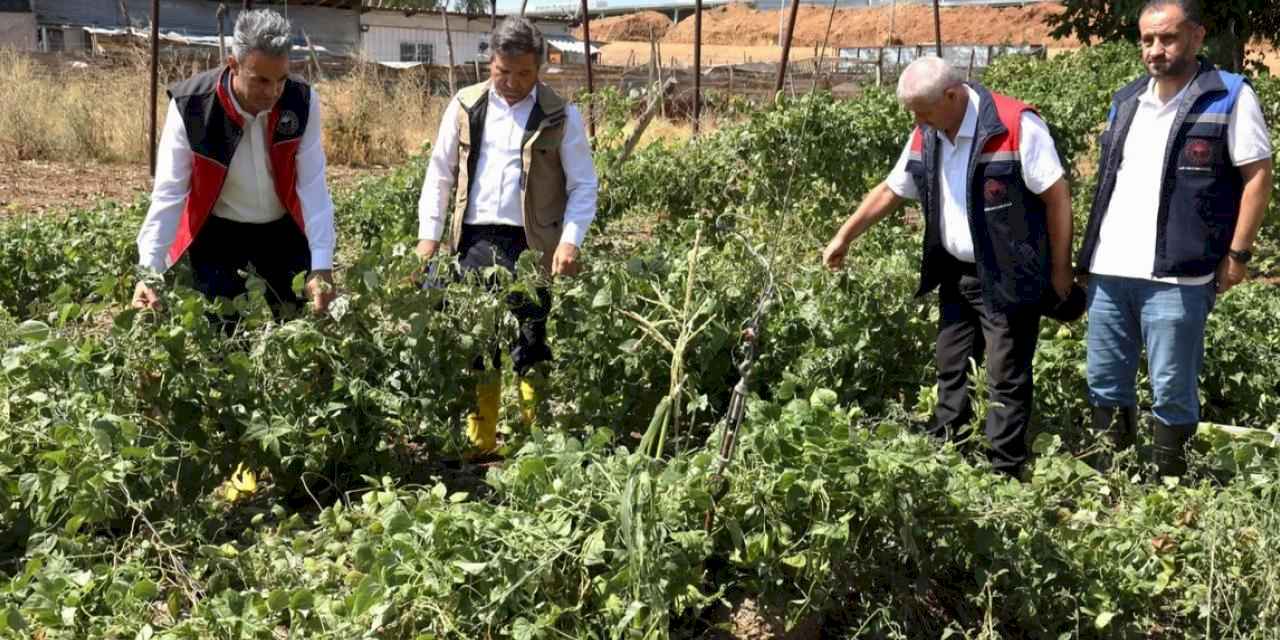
(924, 80)
(517, 36)
(261, 30)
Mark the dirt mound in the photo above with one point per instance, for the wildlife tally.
(738, 24)
(633, 27)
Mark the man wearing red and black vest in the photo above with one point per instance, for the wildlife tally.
(240, 177)
(997, 243)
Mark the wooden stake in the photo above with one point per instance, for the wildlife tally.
(937, 27)
(697, 65)
(786, 45)
(222, 47)
(155, 77)
(315, 59)
(586, 50)
(448, 42)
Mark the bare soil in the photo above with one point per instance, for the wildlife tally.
(39, 187)
(739, 25)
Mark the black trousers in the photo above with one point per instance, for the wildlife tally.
(277, 250)
(483, 246)
(1007, 342)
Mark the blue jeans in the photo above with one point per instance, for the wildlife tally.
(1126, 314)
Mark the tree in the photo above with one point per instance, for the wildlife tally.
(1230, 24)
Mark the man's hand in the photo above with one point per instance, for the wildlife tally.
(833, 255)
(1063, 278)
(320, 290)
(426, 248)
(565, 261)
(144, 297)
(1230, 273)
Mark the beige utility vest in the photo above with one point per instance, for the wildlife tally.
(542, 181)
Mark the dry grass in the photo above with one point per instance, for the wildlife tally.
(373, 117)
(69, 114)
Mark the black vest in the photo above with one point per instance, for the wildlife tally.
(1201, 188)
(1007, 221)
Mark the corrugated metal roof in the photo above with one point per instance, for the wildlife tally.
(570, 45)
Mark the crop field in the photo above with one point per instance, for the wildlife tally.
(835, 518)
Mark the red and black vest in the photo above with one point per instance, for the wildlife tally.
(214, 128)
(1008, 222)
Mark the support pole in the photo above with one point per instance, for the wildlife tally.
(315, 59)
(493, 15)
(247, 5)
(697, 65)
(222, 30)
(448, 43)
(586, 50)
(155, 78)
(786, 45)
(524, 4)
(937, 27)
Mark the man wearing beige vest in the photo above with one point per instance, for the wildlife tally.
(518, 156)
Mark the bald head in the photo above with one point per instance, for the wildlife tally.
(925, 80)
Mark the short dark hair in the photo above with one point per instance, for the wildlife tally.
(1190, 9)
(517, 36)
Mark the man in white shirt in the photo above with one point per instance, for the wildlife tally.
(1184, 181)
(997, 242)
(519, 159)
(240, 177)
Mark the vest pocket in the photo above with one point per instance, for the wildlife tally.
(999, 187)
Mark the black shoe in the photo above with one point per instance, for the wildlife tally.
(1169, 449)
(1118, 428)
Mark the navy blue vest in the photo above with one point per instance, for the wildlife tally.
(1008, 222)
(1201, 189)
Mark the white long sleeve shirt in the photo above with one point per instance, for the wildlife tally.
(495, 191)
(249, 192)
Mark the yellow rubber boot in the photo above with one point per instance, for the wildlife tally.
(482, 423)
(529, 387)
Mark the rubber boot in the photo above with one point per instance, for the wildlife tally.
(1169, 450)
(1118, 427)
(482, 422)
(531, 385)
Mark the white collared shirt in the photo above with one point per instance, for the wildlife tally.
(1127, 237)
(1041, 168)
(249, 193)
(495, 191)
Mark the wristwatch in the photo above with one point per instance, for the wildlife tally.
(1243, 257)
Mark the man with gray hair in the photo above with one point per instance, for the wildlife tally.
(240, 177)
(517, 155)
(997, 243)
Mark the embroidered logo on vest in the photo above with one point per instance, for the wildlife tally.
(1198, 153)
(288, 124)
(995, 194)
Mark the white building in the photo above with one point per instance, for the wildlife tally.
(400, 36)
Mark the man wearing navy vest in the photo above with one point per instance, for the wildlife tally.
(518, 158)
(1184, 180)
(240, 177)
(997, 242)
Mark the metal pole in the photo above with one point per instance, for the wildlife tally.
(786, 45)
(586, 37)
(523, 5)
(697, 65)
(247, 5)
(493, 15)
(155, 78)
(937, 27)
